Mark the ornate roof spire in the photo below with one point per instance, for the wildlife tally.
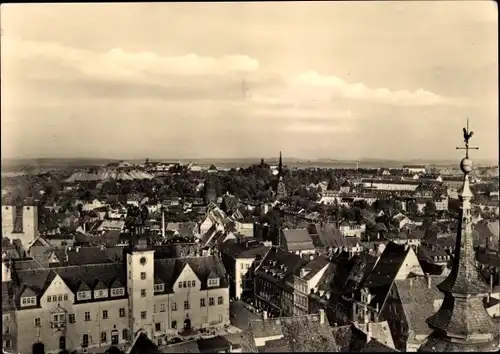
(462, 322)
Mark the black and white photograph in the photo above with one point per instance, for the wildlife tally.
(250, 176)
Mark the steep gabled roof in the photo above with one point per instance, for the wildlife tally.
(417, 300)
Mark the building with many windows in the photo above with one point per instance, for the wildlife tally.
(91, 307)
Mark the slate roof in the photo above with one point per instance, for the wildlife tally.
(326, 236)
(381, 278)
(374, 346)
(298, 240)
(169, 270)
(143, 345)
(101, 276)
(243, 249)
(363, 264)
(290, 261)
(111, 237)
(314, 266)
(387, 266)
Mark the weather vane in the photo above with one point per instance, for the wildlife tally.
(467, 135)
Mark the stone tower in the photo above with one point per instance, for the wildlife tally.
(462, 323)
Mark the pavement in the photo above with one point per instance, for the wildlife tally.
(240, 314)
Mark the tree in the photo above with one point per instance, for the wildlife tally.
(412, 208)
(430, 208)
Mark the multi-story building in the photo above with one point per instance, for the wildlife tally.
(240, 260)
(414, 168)
(91, 307)
(390, 184)
(306, 280)
(20, 222)
(352, 229)
(273, 285)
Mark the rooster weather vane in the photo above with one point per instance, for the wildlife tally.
(467, 136)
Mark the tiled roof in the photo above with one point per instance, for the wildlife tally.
(300, 334)
(87, 255)
(349, 338)
(379, 331)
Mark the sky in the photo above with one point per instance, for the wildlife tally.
(338, 80)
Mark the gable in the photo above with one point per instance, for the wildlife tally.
(57, 287)
(187, 273)
(409, 265)
(53, 258)
(28, 292)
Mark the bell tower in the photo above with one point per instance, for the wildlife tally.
(462, 322)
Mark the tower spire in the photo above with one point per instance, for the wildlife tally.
(280, 187)
(462, 322)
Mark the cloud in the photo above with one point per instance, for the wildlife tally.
(337, 87)
(306, 127)
(120, 64)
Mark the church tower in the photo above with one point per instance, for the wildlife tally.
(462, 323)
(280, 188)
(210, 191)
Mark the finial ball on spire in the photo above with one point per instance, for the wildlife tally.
(466, 165)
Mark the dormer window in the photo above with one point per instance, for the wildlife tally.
(159, 288)
(83, 295)
(213, 282)
(100, 294)
(117, 292)
(28, 301)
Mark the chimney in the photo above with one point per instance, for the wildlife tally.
(85, 228)
(491, 282)
(321, 316)
(264, 315)
(77, 249)
(429, 282)
(354, 312)
(103, 247)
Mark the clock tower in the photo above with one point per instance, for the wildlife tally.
(140, 287)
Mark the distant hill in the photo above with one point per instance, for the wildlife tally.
(57, 163)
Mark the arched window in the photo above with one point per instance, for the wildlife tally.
(62, 342)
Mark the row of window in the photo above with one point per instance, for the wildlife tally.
(99, 294)
(61, 317)
(28, 301)
(245, 266)
(187, 284)
(104, 337)
(57, 298)
(173, 324)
